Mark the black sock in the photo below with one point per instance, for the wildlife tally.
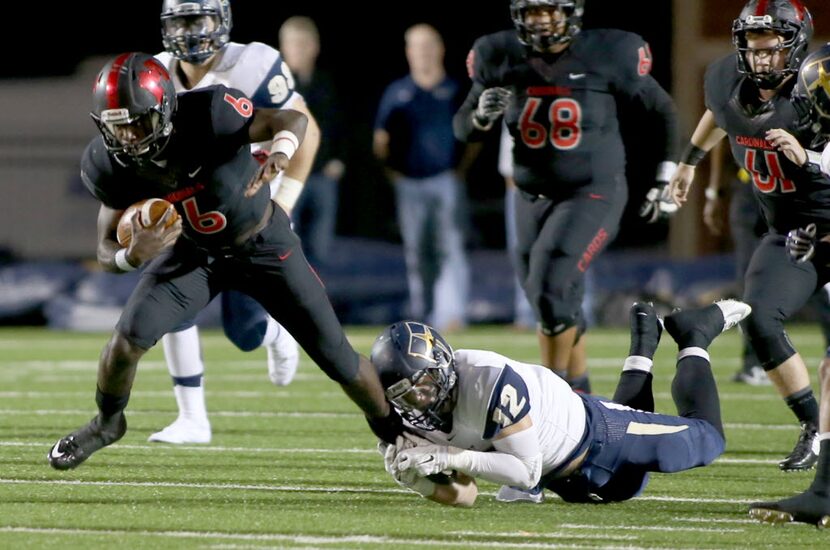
(804, 406)
(821, 484)
(109, 404)
(695, 393)
(634, 390)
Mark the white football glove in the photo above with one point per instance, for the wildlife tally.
(426, 460)
(408, 479)
(801, 243)
(491, 105)
(658, 204)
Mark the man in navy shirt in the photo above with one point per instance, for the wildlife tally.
(414, 139)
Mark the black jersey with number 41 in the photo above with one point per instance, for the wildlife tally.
(790, 196)
(203, 170)
(564, 116)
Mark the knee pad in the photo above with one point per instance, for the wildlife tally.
(772, 350)
(555, 312)
(557, 326)
(245, 336)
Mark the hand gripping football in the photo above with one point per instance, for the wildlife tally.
(150, 212)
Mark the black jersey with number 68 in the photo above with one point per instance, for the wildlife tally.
(564, 112)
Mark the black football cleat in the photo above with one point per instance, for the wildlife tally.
(646, 328)
(699, 327)
(72, 450)
(807, 507)
(804, 455)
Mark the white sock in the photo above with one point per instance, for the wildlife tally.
(638, 362)
(191, 402)
(693, 351)
(271, 332)
(184, 359)
(183, 353)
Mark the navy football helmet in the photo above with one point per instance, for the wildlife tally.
(133, 101)
(790, 19)
(416, 368)
(812, 91)
(194, 30)
(541, 39)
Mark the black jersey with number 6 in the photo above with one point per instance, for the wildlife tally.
(790, 196)
(203, 170)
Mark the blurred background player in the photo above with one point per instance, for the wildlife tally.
(198, 54)
(808, 246)
(315, 214)
(568, 157)
(747, 96)
(413, 138)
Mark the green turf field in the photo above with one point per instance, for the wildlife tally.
(296, 467)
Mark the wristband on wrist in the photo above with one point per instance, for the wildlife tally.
(122, 262)
(288, 192)
(285, 142)
(693, 155)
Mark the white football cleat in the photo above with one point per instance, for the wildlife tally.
(514, 494)
(283, 358)
(734, 312)
(183, 431)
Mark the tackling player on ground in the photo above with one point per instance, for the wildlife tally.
(483, 415)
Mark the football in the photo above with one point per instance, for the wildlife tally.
(150, 212)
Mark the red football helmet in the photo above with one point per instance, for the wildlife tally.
(789, 19)
(133, 104)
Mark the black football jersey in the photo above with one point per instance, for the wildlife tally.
(564, 112)
(790, 196)
(203, 170)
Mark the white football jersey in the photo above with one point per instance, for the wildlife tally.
(495, 392)
(256, 69)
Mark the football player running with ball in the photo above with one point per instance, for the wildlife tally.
(194, 151)
(560, 91)
(478, 414)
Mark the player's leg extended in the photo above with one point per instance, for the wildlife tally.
(634, 388)
(693, 388)
(278, 276)
(248, 326)
(156, 306)
(776, 288)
